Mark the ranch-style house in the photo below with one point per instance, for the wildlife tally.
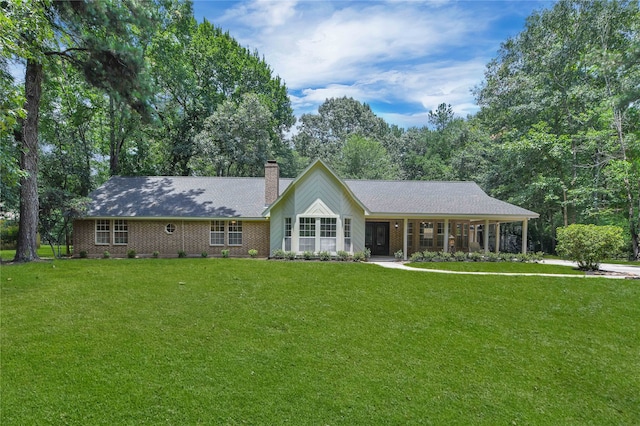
(317, 211)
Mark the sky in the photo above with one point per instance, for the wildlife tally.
(403, 58)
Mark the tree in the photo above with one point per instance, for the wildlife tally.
(363, 158)
(236, 140)
(197, 67)
(324, 134)
(99, 38)
(558, 103)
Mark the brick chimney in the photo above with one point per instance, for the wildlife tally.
(271, 182)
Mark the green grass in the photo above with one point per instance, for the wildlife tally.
(508, 267)
(44, 252)
(228, 341)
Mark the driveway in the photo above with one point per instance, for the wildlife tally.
(605, 267)
(612, 270)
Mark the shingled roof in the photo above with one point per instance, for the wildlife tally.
(433, 198)
(179, 197)
(221, 197)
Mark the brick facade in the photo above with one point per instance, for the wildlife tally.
(192, 237)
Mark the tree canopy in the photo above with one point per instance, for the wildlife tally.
(142, 88)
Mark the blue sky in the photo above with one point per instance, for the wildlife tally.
(403, 58)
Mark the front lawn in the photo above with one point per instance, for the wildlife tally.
(228, 341)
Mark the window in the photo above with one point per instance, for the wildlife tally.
(440, 234)
(426, 235)
(103, 231)
(120, 232)
(410, 234)
(462, 235)
(307, 234)
(287, 233)
(235, 233)
(170, 228)
(217, 233)
(347, 234)
(328, 230)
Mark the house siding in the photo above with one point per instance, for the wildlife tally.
(318, 184)
(192, 237)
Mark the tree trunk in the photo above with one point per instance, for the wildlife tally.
(26, 249)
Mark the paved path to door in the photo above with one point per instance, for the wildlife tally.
(618, 271)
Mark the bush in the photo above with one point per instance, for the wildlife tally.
(359, 256)
(367, 253)
(204, 254)
(225, 253)
(444, 256)
(492, 257)
(399, 255)
(429, 256)
(476, 256)
(156, 254)
(307, 255)
(589, 244)
(182, 254)
(460, 256)
(253, 253)
(83, 254)
(8, 236)
(417, 257)
(342, 255)
(131, 254)
(324, 256)
(278, 254)
(106, 255)
(290, 255)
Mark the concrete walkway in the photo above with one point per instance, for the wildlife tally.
(617, 271)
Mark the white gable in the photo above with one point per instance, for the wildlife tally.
(318, 208)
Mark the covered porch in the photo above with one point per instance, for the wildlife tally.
(386, 236)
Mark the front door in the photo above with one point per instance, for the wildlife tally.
(377, 238)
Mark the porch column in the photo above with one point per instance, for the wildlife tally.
(485, 233)
(405, 227)
(498, 237)
(525, 226)
(446, 236)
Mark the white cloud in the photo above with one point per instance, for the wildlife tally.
(394, 52)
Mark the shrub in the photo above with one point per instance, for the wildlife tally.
(307, 255)
(417, 257)
(491, 257)
(537, 256)
(367, 253)
(253, 253)
(444, 256)
(204, 254)
(290, 255)
(278, 254)
(83, 254)
(399, 255)
(429, 256)
(460, 256)
(182, 253)
(156, 254)
(476, 256)
(8, 236)
(359, 256)
(131, 254)
(324, 256)
(342, 255)
(225, 253)
(589, 244)
(106, 255)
